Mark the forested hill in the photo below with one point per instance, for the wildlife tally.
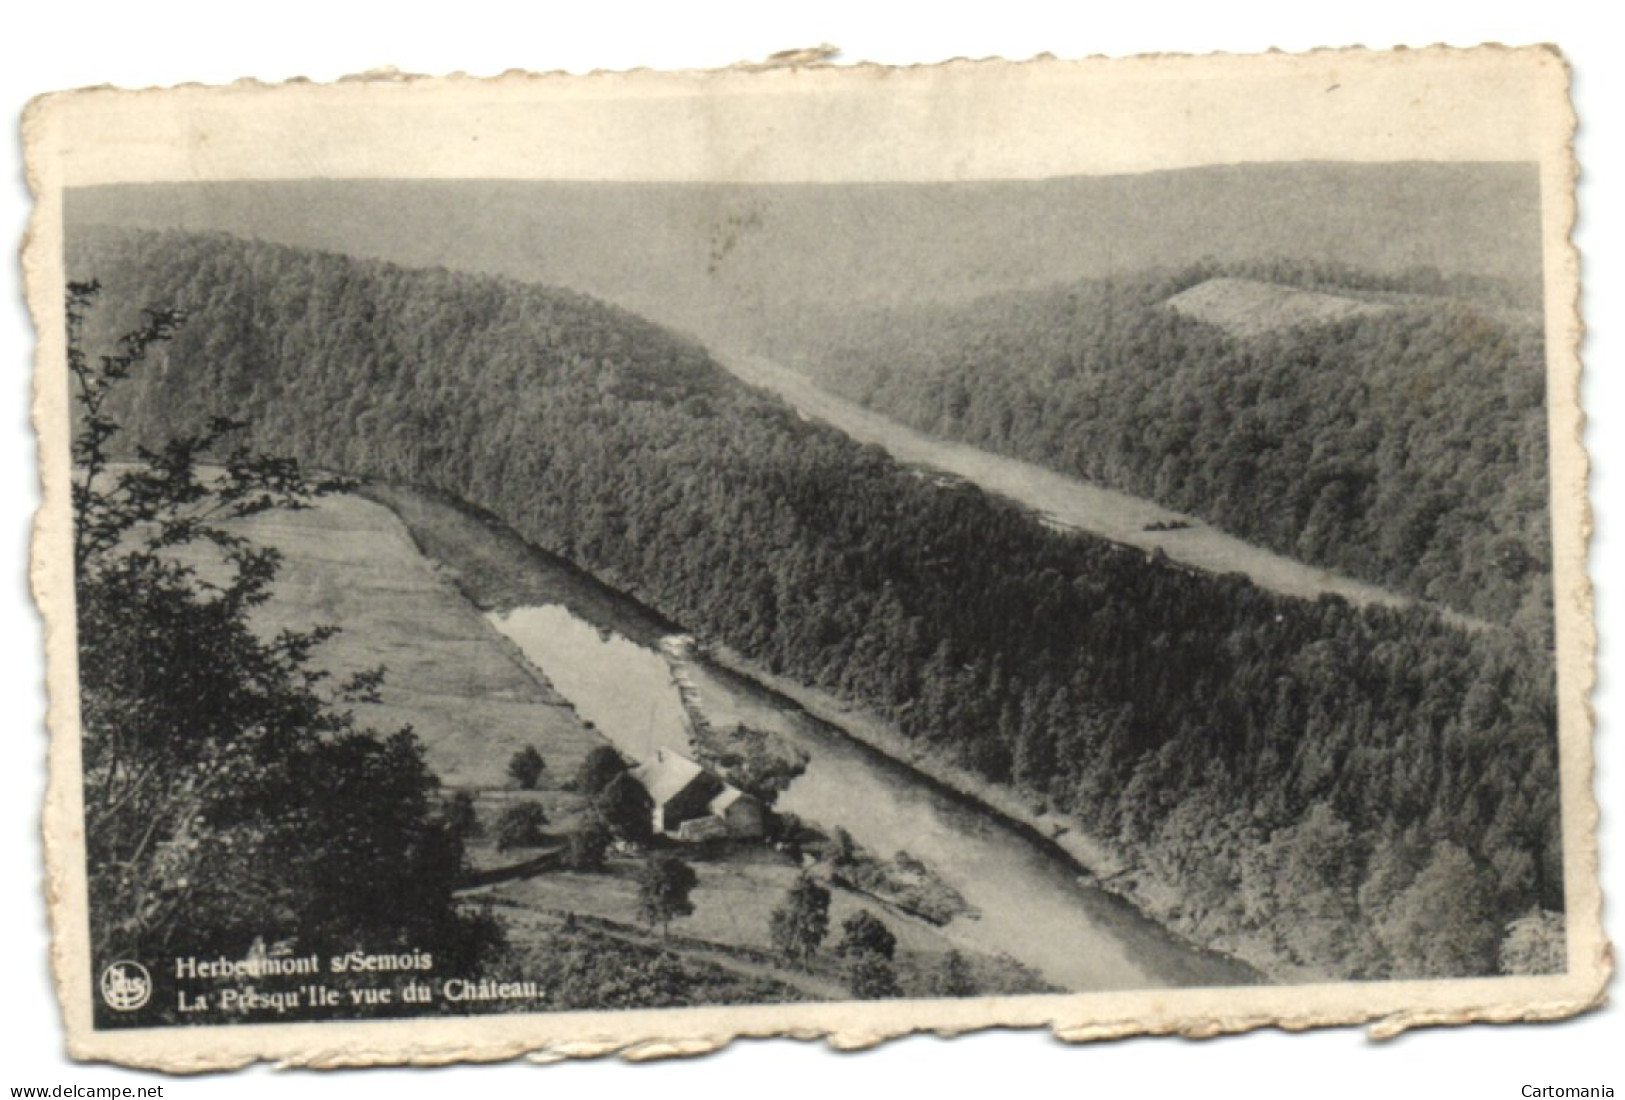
(1366, 791)
(1390, 427)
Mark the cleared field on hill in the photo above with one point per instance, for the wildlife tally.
(1248, 307)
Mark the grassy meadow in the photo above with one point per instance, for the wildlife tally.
(474, 701)
(459, 684)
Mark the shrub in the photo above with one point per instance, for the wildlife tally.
(954, 977)
(520, 826)
(871, 978)
(586, 847)
(526, 767)
(865, 933)
(801, 923)
(460, 816)
(602, 766)
(664, 884)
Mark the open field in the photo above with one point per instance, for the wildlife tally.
(1248, 307)
(472, 700)
(733, 905)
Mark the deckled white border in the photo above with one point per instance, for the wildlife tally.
(1485, 104)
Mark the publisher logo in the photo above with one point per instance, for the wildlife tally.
(126, 986)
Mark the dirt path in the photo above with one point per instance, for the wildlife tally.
(1067, 502)
(814, 986)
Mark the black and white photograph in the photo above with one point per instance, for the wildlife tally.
(941, 583)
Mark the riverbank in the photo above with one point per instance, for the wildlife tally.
(1068, 503)
(1094, 863)
(474, 700)
(497, 570)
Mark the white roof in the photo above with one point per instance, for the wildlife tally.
(719, 805)
(666, 775)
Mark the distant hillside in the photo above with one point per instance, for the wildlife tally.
(1391, 428)
(1247, 307)
(1309, 773)
(716, 258)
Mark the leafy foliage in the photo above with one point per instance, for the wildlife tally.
(461, 817)
(626, 809)
(521, 825)
(864, 932)
(902, 881)
(1436, 924)
(619, 803)
(229, 795)
(871, 977)
(526, 767)
(587, 846)
(799, 925)
(953, 977)
(601, 766)
(665, 882)
(1406, 446)
(763, 763)
(1535, 944)
(867, 947)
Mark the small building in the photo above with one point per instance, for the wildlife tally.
(744, 815)
(691, 803)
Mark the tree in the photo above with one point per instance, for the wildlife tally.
(762, 763)
(1315, 879)
(954, 978)
(868, 947)
(843, 850)
(1535, 944)
(799, 925)
(520, 826)
(626, 809)
(1441, 926)
(526, 767)
(665, 882)
(871, 977)
(211, 755)
(587, 846)
(863, 932)
(601, 767)
(461, 817)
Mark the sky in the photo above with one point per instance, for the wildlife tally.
(705, 256)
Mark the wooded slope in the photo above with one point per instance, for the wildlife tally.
(1389, 427)
(1365, 792)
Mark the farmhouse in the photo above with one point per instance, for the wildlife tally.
(690, 803)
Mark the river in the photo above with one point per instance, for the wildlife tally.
(1063, 501)
(1031, 903)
